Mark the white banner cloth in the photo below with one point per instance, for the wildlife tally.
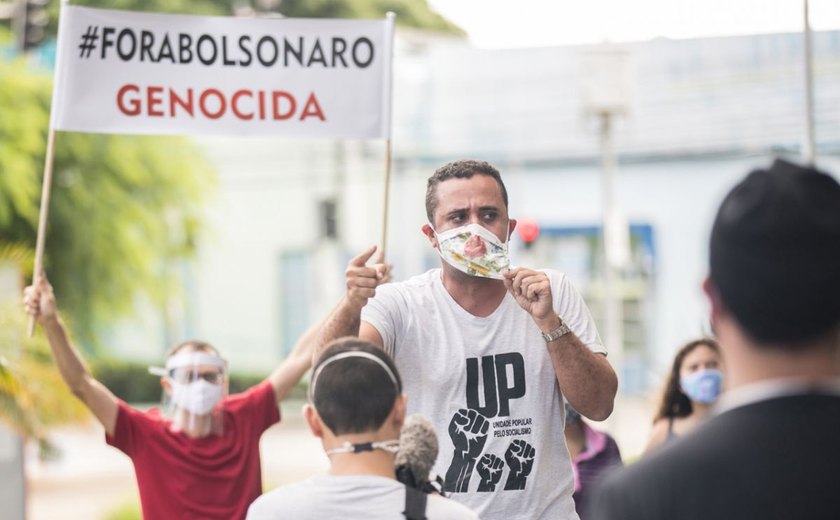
(127, 72)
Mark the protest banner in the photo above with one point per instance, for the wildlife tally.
(143, 73)
(126, 72)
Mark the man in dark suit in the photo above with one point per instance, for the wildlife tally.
(772, 450)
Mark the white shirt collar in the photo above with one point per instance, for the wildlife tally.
(773, 388)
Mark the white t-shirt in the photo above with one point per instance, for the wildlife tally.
(364, 497)
(490, 389)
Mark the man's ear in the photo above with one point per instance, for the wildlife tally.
(714, 302)
(512, 224)
(399, 410)
(430, 234)
(316, 425)
(166, 385)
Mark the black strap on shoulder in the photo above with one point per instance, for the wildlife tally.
(415, 504)
(671, 433)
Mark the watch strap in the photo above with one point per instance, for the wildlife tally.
(560, 331)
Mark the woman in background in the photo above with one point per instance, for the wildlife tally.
(693, 387)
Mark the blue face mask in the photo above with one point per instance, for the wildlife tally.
(702, 386)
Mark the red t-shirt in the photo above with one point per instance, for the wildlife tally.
(212, 477)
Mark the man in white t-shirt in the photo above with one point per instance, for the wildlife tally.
(357, 409)
(485, 350)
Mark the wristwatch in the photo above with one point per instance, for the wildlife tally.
(562, 330)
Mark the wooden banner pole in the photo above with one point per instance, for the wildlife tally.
(387, 194)
(389, 82)
(46, 188)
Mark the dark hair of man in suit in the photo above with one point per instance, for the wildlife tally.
(775, 256)
(354, 394)
(463, 169)
(674, 401)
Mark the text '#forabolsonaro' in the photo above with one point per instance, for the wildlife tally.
(128, 45)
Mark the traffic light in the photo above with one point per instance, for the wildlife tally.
(31, 21)
(528, 231)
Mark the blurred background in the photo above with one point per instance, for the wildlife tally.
(640, 115)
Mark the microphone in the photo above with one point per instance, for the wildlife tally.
(417, 454)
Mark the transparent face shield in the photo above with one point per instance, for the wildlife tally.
(195, 385)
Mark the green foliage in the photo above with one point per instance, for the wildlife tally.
(410, 13)
(196, 7)
(32, 394)
(19, 256)
(131, 381)
(123, 209)
(21, 145)
(129, 510)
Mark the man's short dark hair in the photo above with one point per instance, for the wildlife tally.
(464, 169)
(354, 394)
(775, 254)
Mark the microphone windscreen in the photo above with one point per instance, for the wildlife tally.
(418, 447)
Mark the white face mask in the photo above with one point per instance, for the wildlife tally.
(474, 250)
(198, 397)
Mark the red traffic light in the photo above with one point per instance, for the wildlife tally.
(528, 230)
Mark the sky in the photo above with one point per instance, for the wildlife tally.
(535, 23)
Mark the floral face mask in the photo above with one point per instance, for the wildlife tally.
(474, 250)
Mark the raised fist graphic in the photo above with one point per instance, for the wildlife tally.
(490, 470)
(520, 460)
(468, 431)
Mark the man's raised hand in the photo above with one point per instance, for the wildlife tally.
(532, 291)
(363, 279)
(39, 300)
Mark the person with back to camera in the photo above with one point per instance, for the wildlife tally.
(485, 349)
(199, 458)
(771, 449)
(357, 408)
(693, 387)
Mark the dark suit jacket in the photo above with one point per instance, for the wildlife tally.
(777, 459)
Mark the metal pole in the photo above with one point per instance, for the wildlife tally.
(809, 152)
(613, 311)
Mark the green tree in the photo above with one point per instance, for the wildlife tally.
(410, 13)
(123, 209)
(196, 7)
(32, 394)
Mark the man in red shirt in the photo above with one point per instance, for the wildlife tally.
(201, 459)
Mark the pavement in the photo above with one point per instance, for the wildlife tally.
(90, 479)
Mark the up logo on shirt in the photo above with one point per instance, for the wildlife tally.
(503, 379)
(500, 384)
